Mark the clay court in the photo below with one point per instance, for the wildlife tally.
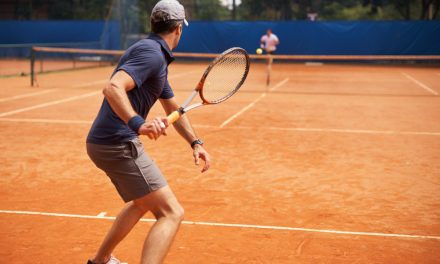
(332, 163)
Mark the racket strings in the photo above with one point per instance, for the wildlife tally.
(226, 76)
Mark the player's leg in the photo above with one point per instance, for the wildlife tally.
(135, 176)
(123, 224)
(169, 214)
(269, 67)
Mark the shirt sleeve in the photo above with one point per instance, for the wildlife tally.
(167, 92)
(141, 64)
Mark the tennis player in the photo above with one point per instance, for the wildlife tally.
(138, 81)
(269, 42)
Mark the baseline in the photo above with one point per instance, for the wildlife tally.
(284, 228)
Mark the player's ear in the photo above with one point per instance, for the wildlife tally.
(179, 29)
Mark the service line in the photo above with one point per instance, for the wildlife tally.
(174, 76)
(68, 99)
(26, 95)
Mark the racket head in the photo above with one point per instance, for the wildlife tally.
(224, 76)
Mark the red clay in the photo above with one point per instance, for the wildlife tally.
(348, 148)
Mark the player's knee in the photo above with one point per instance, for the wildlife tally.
(177, 213)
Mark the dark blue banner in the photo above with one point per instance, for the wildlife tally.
(318, 38)
(17, 37)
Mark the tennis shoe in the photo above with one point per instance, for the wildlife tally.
(112, 260)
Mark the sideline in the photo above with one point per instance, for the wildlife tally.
(419, 83)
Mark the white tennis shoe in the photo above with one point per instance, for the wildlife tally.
(112, 260)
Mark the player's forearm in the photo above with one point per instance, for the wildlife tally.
(119, 102)
(184, 128)
(182, 125)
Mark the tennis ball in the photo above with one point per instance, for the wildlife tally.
(259, 51)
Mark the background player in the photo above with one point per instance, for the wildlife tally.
(269, 42)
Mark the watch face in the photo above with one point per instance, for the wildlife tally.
(197, 142)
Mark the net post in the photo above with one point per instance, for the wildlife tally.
(32, 66)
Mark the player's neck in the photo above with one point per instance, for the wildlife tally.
(169, 40)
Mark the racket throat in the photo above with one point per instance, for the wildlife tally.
(181, 110)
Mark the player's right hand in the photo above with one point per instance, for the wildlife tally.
(154, 128)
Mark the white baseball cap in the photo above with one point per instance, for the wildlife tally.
(168, 10)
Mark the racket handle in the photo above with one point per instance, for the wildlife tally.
(174, 116)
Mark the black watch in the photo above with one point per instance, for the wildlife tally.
(195, 142)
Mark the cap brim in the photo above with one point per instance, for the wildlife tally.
(185, 22)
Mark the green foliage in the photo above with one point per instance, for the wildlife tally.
(138, 11)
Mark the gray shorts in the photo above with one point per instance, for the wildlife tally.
(130, 169)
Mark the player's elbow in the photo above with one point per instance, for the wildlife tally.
(109, 89)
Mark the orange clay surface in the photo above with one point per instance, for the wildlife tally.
(323, 150)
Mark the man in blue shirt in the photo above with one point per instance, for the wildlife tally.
(138, 81)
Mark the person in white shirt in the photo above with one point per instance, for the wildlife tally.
(269, 42)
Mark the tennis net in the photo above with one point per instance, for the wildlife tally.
(50, 59)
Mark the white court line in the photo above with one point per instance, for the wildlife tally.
(101, 214)
(334, 130)
(106, 80)
(419, 83)
(243, 110)
(292, 129)
(183, 74)
(26, 95)
(354, 131)
(90, 83)
(49, 103)
(253, 103)
(278, 85)
(284, 228)
(40, 120)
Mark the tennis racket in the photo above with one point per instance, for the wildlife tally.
(222, 79)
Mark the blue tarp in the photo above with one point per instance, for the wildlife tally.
(318, 38)
(296, 37)
(73, 34)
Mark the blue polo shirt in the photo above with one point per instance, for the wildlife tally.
(147, 63)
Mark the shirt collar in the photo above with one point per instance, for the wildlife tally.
(165, 49)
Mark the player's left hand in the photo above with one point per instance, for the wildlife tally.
(200, 153)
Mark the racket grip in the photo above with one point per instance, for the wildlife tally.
(173, 117)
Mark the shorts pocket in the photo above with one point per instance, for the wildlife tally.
(136, 148)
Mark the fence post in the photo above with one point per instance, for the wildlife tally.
(32, 66)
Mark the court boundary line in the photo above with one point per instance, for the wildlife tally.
(68, 99)
(249, 106)
(419, 83)
(174, 76)
(294, 129)
(5, 99)
(248, 226)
